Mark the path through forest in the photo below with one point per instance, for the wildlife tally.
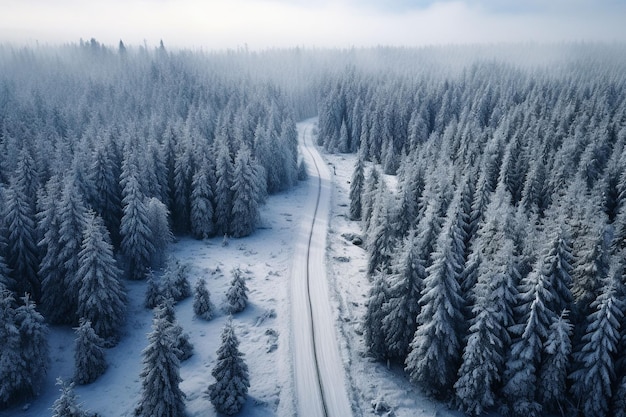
(318, 369)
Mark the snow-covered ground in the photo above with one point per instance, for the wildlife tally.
(263, 328)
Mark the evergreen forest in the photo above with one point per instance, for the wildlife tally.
(490, 188)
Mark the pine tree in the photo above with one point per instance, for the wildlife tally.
(356, 189)
(553, 375)
(89, 359)
(22, 253)
(223, 187)
(158, 220)
(161, 395)
(237, 294)
(369, 197)
(488, 340)
(184, 348)
(33, 349)
(436, 349)
(154, 292)
(202, 305)
(380, 236)
(53, 303)
(137, 244)
(230, 391)
(10, 355)
(402, 306)
(202, 203)
(184, 167)
(106, 199)
(67, 404)
(594, 371)
(524, 361)
(175, 283)
(101, 298)
(247, 194)
(73, 220)
(373, 321)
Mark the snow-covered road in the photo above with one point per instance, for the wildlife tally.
(319, 373)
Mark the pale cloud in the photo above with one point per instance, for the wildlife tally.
(212, 24)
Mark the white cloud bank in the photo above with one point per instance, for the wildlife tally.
(220, 24)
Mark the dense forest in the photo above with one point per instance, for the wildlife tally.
(106, 154)
(497, 269)
(496, 255)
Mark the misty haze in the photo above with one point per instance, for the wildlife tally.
(325, 208)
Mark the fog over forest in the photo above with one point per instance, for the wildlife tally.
(488, 191)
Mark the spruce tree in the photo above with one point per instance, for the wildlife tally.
(10, 355)
(161, 395)
(247, 194)
(89, 359)
(184, 348)
(223, 187)
(230, 391)
(154, 292)
(22, 252)
(202, 305)
(356, 189)
(402, 305)
(488, 339)
(202, 203)
(53, 303)
(380, 236)
(67, 404)
(237, 293)
(73, 220)
(531, 332)
(594, 370)
(175, 283)
(373, 330)
(101, 297)
(33, 349)
(137, 244)
(436, 349)
(553, 375)
(106, 199)
(161, 236)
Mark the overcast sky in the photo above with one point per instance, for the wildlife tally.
(259, 24)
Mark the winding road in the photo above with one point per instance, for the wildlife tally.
(320, 381)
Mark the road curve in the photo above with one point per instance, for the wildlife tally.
(319, 375)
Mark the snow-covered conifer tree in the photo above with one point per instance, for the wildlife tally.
(202, 305)
(67, 404)
(106, 199)
(223, 187)
(594, 370)
(202, 203)
(101, 297)
(531, 332)
(356, 189)
(402, 305)
(73, 219)
(380, 236)
(161, 236)
(21, 248)
(161, 395)
(184, 348)
(488, 340)
(436, 349)
(230, 391)
(246, 195)
(154, 292)
(237, 294)
(89, 359)
(10, 355)
(373, 321)
(369, 196)
(137, 244)
(175, 283)
(553, 375)
(33, 349)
